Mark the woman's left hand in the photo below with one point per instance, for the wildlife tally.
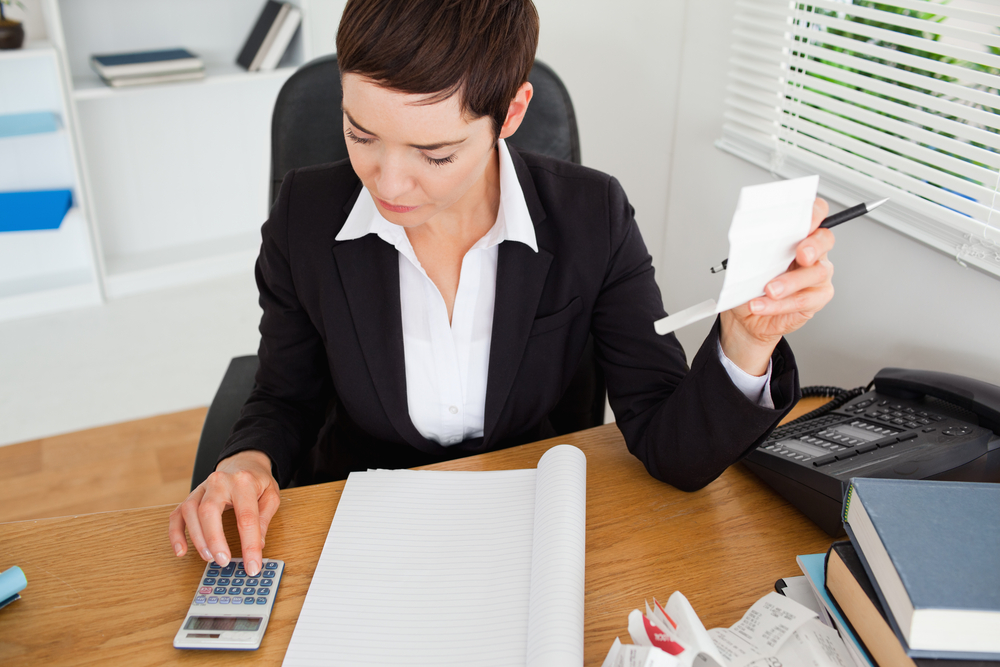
(751, 331)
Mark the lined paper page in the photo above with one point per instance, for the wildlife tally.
(422, 568)
(435, 568)
(555, 615)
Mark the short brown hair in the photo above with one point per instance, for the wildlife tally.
(481, 49)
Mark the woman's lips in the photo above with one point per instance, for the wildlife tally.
(395, 209)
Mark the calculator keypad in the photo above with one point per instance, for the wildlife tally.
(230, 585)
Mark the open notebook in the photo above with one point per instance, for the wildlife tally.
(426, 567)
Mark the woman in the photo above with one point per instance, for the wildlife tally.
(432, 297)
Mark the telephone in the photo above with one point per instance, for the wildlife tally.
(913, 425)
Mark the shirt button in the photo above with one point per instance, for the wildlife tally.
(453, 410)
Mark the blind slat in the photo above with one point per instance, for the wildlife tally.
(907, 103)
(962, 74)
(944, 10)
(807, 66)
(880, 128)
(943, 28)
(912, 168)
(957, 92)
(903, 39)
(884, 173)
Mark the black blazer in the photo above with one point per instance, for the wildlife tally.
(330, 395)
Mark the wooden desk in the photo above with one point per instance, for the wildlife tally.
(106, 588)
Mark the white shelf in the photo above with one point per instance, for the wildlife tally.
(181, 265)
(36, 49)
(63, 292)
(39, 161)
(90, 86)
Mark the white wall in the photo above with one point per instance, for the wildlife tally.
(898, 303)
(620, 63)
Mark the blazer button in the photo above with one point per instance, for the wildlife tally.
(453, 410)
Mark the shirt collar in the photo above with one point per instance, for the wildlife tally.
(513, 220)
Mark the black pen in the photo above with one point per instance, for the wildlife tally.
(828, 222)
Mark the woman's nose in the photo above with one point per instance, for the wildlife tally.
(393, 181)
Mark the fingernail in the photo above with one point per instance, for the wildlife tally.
(756, 306)
(261, 541)
(207, 554)
(222, 559)
(776, 289)
(810, 255)
(253, 568)
(178, 548)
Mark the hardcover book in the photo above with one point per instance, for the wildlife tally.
(270, 36)
(855, 597)
(932, 552)
(145, 63)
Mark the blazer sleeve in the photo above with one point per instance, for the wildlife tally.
(685, 425)
(287, 406)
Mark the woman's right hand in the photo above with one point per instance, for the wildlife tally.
(244, 482)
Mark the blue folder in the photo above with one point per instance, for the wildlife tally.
(17, 124)
(33, 210)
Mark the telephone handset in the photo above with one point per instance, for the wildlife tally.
(913, 425)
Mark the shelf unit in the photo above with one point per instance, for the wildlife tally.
(45, 270)
(171, 180)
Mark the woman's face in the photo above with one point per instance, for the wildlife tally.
(416, 159)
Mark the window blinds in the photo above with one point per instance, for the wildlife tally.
(881, 99)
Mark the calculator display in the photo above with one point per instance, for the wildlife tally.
(246, 623)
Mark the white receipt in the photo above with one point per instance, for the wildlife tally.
(779, 631)
(775, 632)
(769, 222)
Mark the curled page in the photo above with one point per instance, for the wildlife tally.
(555, 612)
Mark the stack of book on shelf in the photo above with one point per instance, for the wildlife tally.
(270, 36)
(143, 67)
(918, 584)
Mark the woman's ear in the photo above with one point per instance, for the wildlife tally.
(515, 112)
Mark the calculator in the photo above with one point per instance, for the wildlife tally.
(230, 609)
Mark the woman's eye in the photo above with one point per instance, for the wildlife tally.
(356, 139)
(440, 161)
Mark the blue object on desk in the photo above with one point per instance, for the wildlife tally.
(33, 210)
(12, 582)
(17, 124)
(814, 567)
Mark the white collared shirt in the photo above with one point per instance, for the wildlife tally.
(447, 364)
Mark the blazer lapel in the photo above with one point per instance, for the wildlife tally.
(369, 270)
(521, 275)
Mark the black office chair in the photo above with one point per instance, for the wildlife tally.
(306, 129)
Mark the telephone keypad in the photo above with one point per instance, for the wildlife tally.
(843, 439)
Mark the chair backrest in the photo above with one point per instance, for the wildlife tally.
(307, 125)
